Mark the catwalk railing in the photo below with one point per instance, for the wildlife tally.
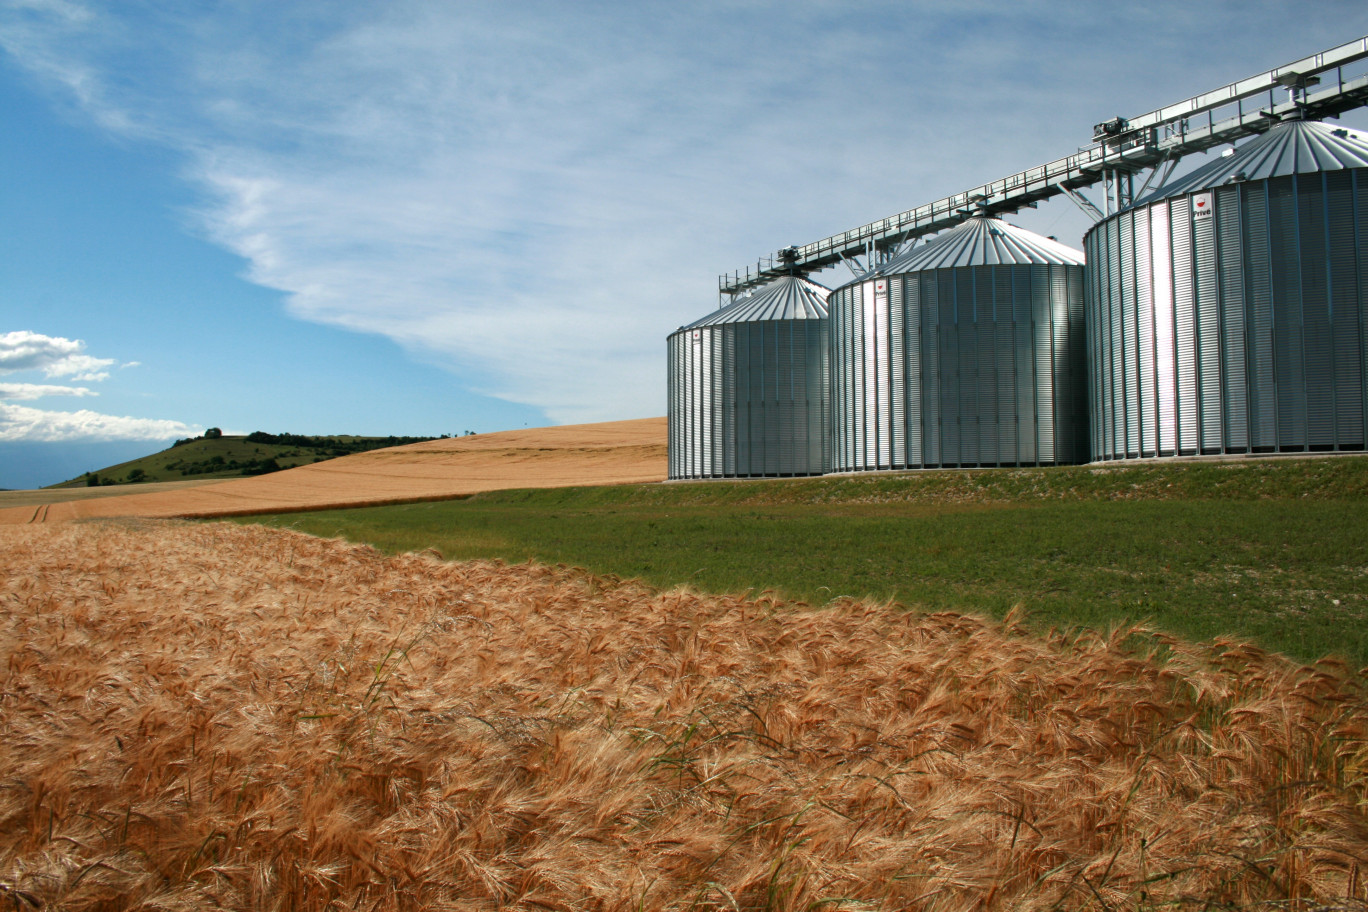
(1322, 85)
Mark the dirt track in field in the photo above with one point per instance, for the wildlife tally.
(618, 452)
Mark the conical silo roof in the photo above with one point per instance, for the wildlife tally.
(788, 297)
(1291, 147)
(983, 241)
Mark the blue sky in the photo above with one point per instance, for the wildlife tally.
(425, 218)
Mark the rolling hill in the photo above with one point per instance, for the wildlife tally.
(620, 452)
(258, 453)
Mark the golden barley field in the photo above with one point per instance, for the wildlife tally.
(615, 452)
(221, 716)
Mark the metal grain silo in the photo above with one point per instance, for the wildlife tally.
(966, 351)
(1226, 311)
(748, 393)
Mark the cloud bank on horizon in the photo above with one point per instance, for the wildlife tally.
(18, 422)
(21, 352)
(536, 194)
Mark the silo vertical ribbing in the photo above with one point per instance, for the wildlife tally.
(965, 351)
(748, 387)
(1249, 283)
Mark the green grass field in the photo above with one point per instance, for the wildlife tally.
(1275, 551)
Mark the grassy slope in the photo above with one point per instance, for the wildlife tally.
(1269, 550)
(232, 449)
(159, 466)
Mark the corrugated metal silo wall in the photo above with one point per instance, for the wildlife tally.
(1239, 332)
(974, 366)
(750, 399)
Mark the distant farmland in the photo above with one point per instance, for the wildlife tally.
(213, 715)
(609, 453)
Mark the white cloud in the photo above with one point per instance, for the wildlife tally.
(55, 356)
(18, 422)
(30, 391)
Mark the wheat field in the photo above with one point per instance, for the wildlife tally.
(220, 716)
(608, 453)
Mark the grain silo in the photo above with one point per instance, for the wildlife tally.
(748, 393)
(1226, 310)
(966, 351)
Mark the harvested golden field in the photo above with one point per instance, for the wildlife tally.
(618, 452)
(198, 716)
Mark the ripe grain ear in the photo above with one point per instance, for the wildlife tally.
(230, 715)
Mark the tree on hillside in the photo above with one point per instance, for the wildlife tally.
(213, 434)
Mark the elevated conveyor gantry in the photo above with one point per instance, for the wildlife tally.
(1322, 85)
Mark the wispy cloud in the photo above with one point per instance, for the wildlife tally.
(535, 197)
(21, 423)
